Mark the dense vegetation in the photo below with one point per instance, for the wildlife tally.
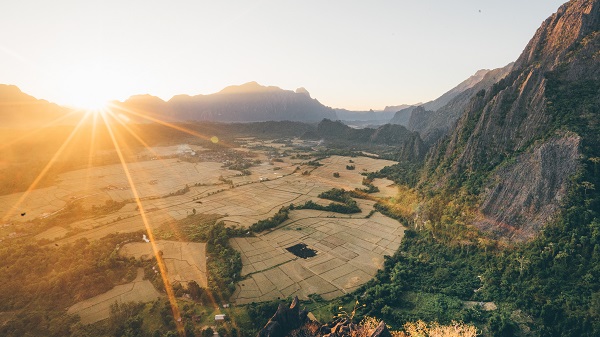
(40, 282)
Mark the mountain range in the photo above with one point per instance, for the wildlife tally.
(249, 102)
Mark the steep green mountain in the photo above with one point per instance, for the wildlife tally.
(509, 209)
(248, 102)
(403, 113)
(432, 124)
(517, 143)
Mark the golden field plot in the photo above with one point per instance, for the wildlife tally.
(152, 179)
(349, 253)
(349, 179)
(242, 205)
(97, 308)
(185, 261)
(387, 188)
(131, 224)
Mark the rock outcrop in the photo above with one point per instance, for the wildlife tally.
(293, 322)
(528, 192)
(284, 320)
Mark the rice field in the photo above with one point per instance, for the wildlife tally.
(185, 261)
(349, 253)
(349, 248)
(97, 308)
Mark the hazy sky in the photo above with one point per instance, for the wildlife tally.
(350, 54)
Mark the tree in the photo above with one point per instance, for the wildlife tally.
(195, 290)
(587, 186)
(208, 332)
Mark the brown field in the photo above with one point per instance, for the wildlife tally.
(52, 233)
(97, 308)
(349, 253)
(185, 261)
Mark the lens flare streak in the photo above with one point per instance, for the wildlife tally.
(45, 170)
(160, 262)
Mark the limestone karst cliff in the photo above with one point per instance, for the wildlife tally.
(518, 142)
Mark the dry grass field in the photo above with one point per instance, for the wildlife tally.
(185, 261)
(97, 308)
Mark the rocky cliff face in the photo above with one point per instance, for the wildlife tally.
(249, 102)
(553, 87)
(433, 123)
(528, 192)
(436, 118)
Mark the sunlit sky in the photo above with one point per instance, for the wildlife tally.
(347, 54)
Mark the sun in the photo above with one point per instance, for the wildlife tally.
(88, 101)
(89, 86)
(100, 105)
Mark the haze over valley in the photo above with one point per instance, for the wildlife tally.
(301, 194)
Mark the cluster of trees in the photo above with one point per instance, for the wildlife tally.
(180, 191)
(272, 222)
(403, 173)
(345, 205)
(369, 187)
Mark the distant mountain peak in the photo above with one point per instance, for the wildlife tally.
(145, 98)
(303, 91)
(246, 88)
